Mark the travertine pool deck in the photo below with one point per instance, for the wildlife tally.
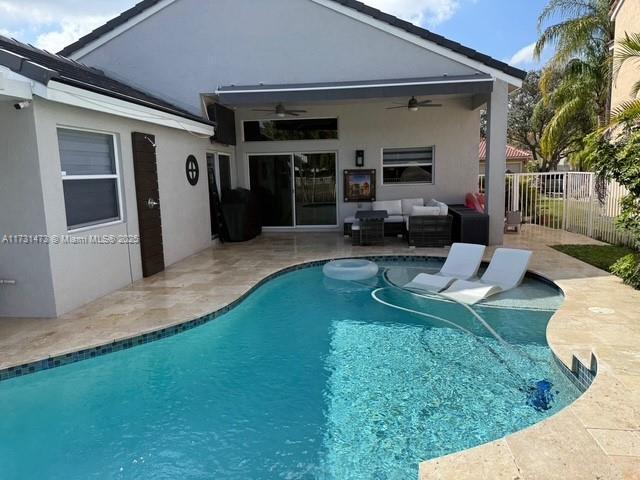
(598, 437)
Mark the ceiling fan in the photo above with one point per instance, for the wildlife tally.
(414, 105)
(281, 111)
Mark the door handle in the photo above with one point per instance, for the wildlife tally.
(151, 203)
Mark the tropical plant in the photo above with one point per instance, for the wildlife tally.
(576, 81)
(618, 159)
(627, 52)
(580, 104)
(585, 27)
(628, 269)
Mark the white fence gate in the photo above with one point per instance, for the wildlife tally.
(567, 201)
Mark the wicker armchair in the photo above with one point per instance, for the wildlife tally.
(429, 231)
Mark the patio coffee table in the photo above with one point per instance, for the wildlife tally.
(371, 227)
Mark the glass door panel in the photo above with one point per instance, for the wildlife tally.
(315, 189)
(214, 197)
(224, 167)
(270, 177)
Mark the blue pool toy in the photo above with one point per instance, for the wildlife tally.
(541, 395)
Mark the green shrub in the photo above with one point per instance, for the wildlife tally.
(628, 268)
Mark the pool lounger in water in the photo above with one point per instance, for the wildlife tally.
(350, 269)
(505, 272)
(462, 263)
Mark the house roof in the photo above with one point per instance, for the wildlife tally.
(43, 67)
(353, 4)
(513, 153)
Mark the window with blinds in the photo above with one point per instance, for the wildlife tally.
(90, 178)
(407, 165)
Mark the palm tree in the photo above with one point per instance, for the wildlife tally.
(585, 27)
(628, 51)
(582, 62)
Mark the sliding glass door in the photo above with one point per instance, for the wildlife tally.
(315, 187)
(295, 190)
(270, 177)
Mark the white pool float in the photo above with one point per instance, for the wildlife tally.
(350, 269)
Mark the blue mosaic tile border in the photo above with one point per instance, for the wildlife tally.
(125, 344)
(580, 375)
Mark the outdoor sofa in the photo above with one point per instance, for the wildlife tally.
(422, 224)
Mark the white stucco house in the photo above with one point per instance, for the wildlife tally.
(262, 94)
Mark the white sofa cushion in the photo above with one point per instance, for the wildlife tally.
(408, 203)
(351, 220)
(393, 207)
(444, 208)
(394, 219)
(418, 211)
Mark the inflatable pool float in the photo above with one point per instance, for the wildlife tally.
(350, 269)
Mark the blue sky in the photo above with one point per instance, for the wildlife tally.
(504, 29)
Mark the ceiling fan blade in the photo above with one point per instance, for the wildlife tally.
(400, 106)
(431, 105)
(262, 110)
(296, 111)
(292, 113)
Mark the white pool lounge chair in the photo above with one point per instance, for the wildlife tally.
(506, 271)
(462, 263)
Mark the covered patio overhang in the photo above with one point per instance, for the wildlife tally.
(479, 90)
(480, 85)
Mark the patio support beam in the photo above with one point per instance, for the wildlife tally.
(497, 112)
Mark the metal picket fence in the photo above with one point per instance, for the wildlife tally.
(567, 201)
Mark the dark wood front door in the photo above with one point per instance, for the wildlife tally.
(148, 200)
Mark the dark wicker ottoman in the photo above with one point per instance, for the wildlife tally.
(430, 231)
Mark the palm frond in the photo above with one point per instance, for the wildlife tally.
(560, 122)
(627, 50)
(635, 90)
(565, 8)
(585, 23)
(626, 113)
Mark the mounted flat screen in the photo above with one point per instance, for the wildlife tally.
(294, 129)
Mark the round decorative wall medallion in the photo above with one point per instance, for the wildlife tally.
(193, 170)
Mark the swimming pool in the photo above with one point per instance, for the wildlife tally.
(307, 378)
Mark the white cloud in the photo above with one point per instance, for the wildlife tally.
(68, 32)
(524, 56)
(420, 12)
(53, 24)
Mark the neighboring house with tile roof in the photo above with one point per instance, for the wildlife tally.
(300, 91)
(517, 158)
(626, 15)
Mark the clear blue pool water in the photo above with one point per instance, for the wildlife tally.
(307, 378)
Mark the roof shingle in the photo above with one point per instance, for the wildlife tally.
(513, 153)
(42, 66)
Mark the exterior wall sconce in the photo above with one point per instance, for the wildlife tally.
(359, 158)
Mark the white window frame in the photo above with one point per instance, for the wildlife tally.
(116, 176)
(216, 167)
(401, 184)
